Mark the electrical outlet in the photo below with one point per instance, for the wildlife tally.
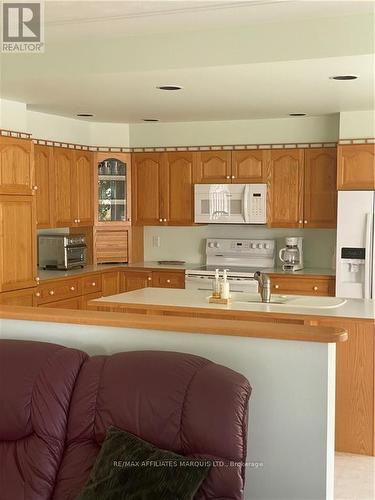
(156, 241)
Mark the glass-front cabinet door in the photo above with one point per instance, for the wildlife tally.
(113, 188)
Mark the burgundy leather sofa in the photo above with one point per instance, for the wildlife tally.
(56, 404)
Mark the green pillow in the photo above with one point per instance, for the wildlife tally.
(128, 468)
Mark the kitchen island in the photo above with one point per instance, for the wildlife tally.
(355, 363)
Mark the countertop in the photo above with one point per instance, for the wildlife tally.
(51, 274)
(177, 299)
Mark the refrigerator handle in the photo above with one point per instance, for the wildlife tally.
(368, 256)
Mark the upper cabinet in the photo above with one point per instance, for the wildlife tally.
(320, 194)
(249, 166)
(163, 188)
(285, 187)
(43, 159)
(356, 166)
(73, 187)
(113, 188)
(213, 167)
(16, 166)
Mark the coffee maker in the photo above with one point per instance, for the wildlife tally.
(292, 255)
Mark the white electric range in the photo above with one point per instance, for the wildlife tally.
(241, 258)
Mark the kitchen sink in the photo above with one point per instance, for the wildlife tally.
(291, 300)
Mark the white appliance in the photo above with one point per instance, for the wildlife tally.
(292, 255)
(355, 259)
(230, 203)
(242, 258)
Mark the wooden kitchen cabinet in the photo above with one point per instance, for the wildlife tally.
(303, 285)
(111, 244)
(163, 188)
(356, 167)
(17, 242)
(16, 166)
(43, 159)
(134, 280)
(73, 188)
(56, 290)
(320, 194)
(285, 187)
(213, 167)
(167, 279)
(73, 303)
(86, 298)
(249, 166)
(110, 283)
(18, 297)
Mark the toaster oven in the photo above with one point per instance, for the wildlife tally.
(61, 251)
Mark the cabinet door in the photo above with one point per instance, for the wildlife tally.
(64, 187)
(248, 166)
(134, 280)
(83, 176)
(110, 283)
(17, 242)
(146, 187)
(16, 166)
(177, 188)
(320, 201)
(86, 298)
(285, 188)
(18, 298)
(303, 285)
(213, 167)
(166, 279)
(356, 166)
(43, 158)
(74, 303)
(111, 245)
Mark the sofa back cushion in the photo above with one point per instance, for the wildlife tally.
(175, 401)
(36, 384)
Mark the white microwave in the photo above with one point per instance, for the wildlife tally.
(230, 203)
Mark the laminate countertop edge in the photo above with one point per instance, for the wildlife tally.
(261, 330)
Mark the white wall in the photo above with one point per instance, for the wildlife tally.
(357, 124)
(281, 130)
(187, 243)
(13, 115)
(292, 405)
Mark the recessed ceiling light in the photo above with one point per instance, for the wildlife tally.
(169, 87)
(85, 115)
(343, 77)
(150, 120)
(297, 114)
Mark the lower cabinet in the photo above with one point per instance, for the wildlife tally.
(86, 298)
(165, 279)
(24, 297)
(74, 303)
(134, 280)
(110, 283)
(303, 285)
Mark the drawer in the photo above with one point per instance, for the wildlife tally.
(91, 284)
(73, 303)
(165, 279)
(58, 290)
(305, 285)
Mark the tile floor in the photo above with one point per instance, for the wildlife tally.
(354, 477)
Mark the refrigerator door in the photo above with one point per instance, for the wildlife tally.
(354, 252)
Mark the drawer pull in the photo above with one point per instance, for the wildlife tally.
(315, 288)
(168, 281)
(93, 283)
(164, 220)
(51, 292)
(228, 176)
(72, 288)
(35, 188)
(37, 279)
(305, 221)
(149, 278)
(277, 286)
(233, 177)
(299, 222)
(37, 294)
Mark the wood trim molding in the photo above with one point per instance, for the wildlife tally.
(357, 141)
(15, 134)
(180, 324)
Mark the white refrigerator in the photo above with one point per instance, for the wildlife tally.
(355, 249)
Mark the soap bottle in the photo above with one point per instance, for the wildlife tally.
(216, 285)
(225, 286)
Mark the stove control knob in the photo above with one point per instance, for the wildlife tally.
(267, 245)
(253, 245)
(260, 245)
(216, 244)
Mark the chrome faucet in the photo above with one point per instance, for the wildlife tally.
(264, 286)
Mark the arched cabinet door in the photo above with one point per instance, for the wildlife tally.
(213, 167)
(356, 166)
(16, 166)
(177, 192)
(285, 187)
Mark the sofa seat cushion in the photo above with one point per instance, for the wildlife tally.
(36, 384)
(128, 467)
(177, 402)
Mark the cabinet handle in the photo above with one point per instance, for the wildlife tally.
(72, 288)
(129, 220)
(78, 220)
(149, 278)
(160, 220)
(93, 283)
(315, 288)
(35, 188)
(228, 176)
(37, 279)
(233, 177)
(277, 286)
(37, 294)
(305, 221)
(75, 221)
(164, 220)
(300, 222)
(168, 281)
(51, 292)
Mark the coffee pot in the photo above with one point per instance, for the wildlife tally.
(292, 255)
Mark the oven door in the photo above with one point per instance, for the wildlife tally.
(237, 285)
(75, 256)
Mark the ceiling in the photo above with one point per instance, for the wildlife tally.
(234, 60)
